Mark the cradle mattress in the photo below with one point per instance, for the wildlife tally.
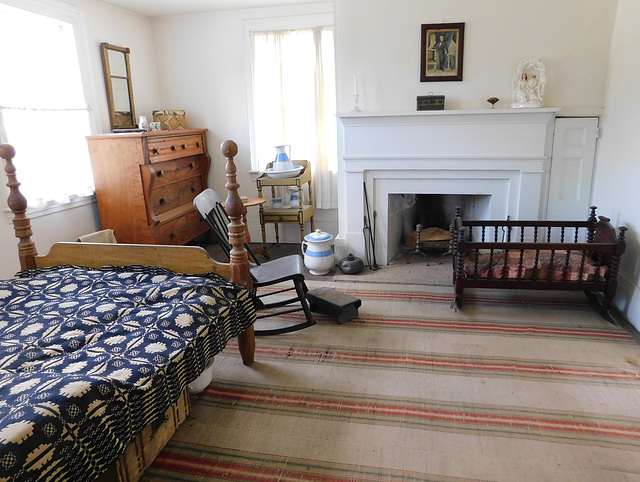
(89, 357)
(522, 264)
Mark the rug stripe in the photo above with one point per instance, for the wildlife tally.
(503, 367)
(194, 461)
(483, 328)
(519, 422)
(448, 298)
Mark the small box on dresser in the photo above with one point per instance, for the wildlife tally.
(146, 181)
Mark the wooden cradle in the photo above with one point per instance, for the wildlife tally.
(143, 449)
(538, 255)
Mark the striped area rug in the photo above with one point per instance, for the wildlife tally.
(517, 386)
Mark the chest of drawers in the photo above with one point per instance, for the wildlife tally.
(145, 184)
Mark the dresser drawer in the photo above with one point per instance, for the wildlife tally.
(170, 196)
(181, 230)
(167, 148)
(168, 172)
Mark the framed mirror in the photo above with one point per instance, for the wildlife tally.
(117, 78)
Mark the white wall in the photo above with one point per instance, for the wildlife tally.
(380, 41)
(103, 23)
(201, 69)
(618, 161)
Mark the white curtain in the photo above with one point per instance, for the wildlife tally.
(43, 112)
(294, 103)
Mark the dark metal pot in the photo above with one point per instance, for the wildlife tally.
(351, 264)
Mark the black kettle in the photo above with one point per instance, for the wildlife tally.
(351, 264)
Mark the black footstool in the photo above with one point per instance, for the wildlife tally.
(334, 303)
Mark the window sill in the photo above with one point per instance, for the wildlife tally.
(33, 213)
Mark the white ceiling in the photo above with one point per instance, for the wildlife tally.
(155, 8)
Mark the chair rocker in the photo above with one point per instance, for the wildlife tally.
(288, 268)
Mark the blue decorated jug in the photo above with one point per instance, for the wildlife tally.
(282, 161)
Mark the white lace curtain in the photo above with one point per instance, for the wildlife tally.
(294, 102)
(43, 112)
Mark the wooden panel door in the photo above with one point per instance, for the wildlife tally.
(572, 161)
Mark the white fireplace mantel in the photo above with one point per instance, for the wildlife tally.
(502, 153)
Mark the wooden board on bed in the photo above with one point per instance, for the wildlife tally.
(180, 259)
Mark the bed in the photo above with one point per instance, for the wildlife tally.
(98, 343)
(539, 255)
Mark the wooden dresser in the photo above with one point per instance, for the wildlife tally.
(146, 182)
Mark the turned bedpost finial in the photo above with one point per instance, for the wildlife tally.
(239, 259)
(18, 205)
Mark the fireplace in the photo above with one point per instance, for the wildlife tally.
(434, 213)
(498, 157)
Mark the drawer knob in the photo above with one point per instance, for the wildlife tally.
(198, 144)
(155, 151)
(173, 148)
(159, 173)
(184, 146)
(191, 165)
(193, 189)
(162, 201)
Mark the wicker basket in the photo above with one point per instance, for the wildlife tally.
(170, 119)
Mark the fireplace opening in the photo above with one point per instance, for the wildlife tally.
(425, 219)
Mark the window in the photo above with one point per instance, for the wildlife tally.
(293, 101)
(43, 111)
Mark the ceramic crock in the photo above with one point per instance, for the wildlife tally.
(318, 255)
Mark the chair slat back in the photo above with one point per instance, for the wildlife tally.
(211, 209)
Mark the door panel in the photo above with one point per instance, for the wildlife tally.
(572, 162)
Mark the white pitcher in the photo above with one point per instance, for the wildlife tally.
(318, 255)
(294, 198)
(282, 161)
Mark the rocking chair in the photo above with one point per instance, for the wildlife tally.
(288, 268)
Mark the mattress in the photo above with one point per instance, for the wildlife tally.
(88, 357)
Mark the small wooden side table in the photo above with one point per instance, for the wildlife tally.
(247, 203)
(299, 215)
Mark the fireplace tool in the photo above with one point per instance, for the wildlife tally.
(367, 235)
(372, 236)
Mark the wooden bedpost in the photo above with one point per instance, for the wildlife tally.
(238, 258)
(18, 205)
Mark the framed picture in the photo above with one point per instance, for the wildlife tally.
(441, 52)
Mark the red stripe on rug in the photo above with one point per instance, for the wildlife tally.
(418, 361)
(231, 471)
(378, 407)
(478, 326)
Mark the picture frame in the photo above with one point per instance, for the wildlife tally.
(441, 54)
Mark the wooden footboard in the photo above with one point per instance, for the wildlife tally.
(546, 255)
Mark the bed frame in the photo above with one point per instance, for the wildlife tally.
(539, 255)
(141, 452)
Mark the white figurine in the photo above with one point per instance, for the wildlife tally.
(528, 84)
